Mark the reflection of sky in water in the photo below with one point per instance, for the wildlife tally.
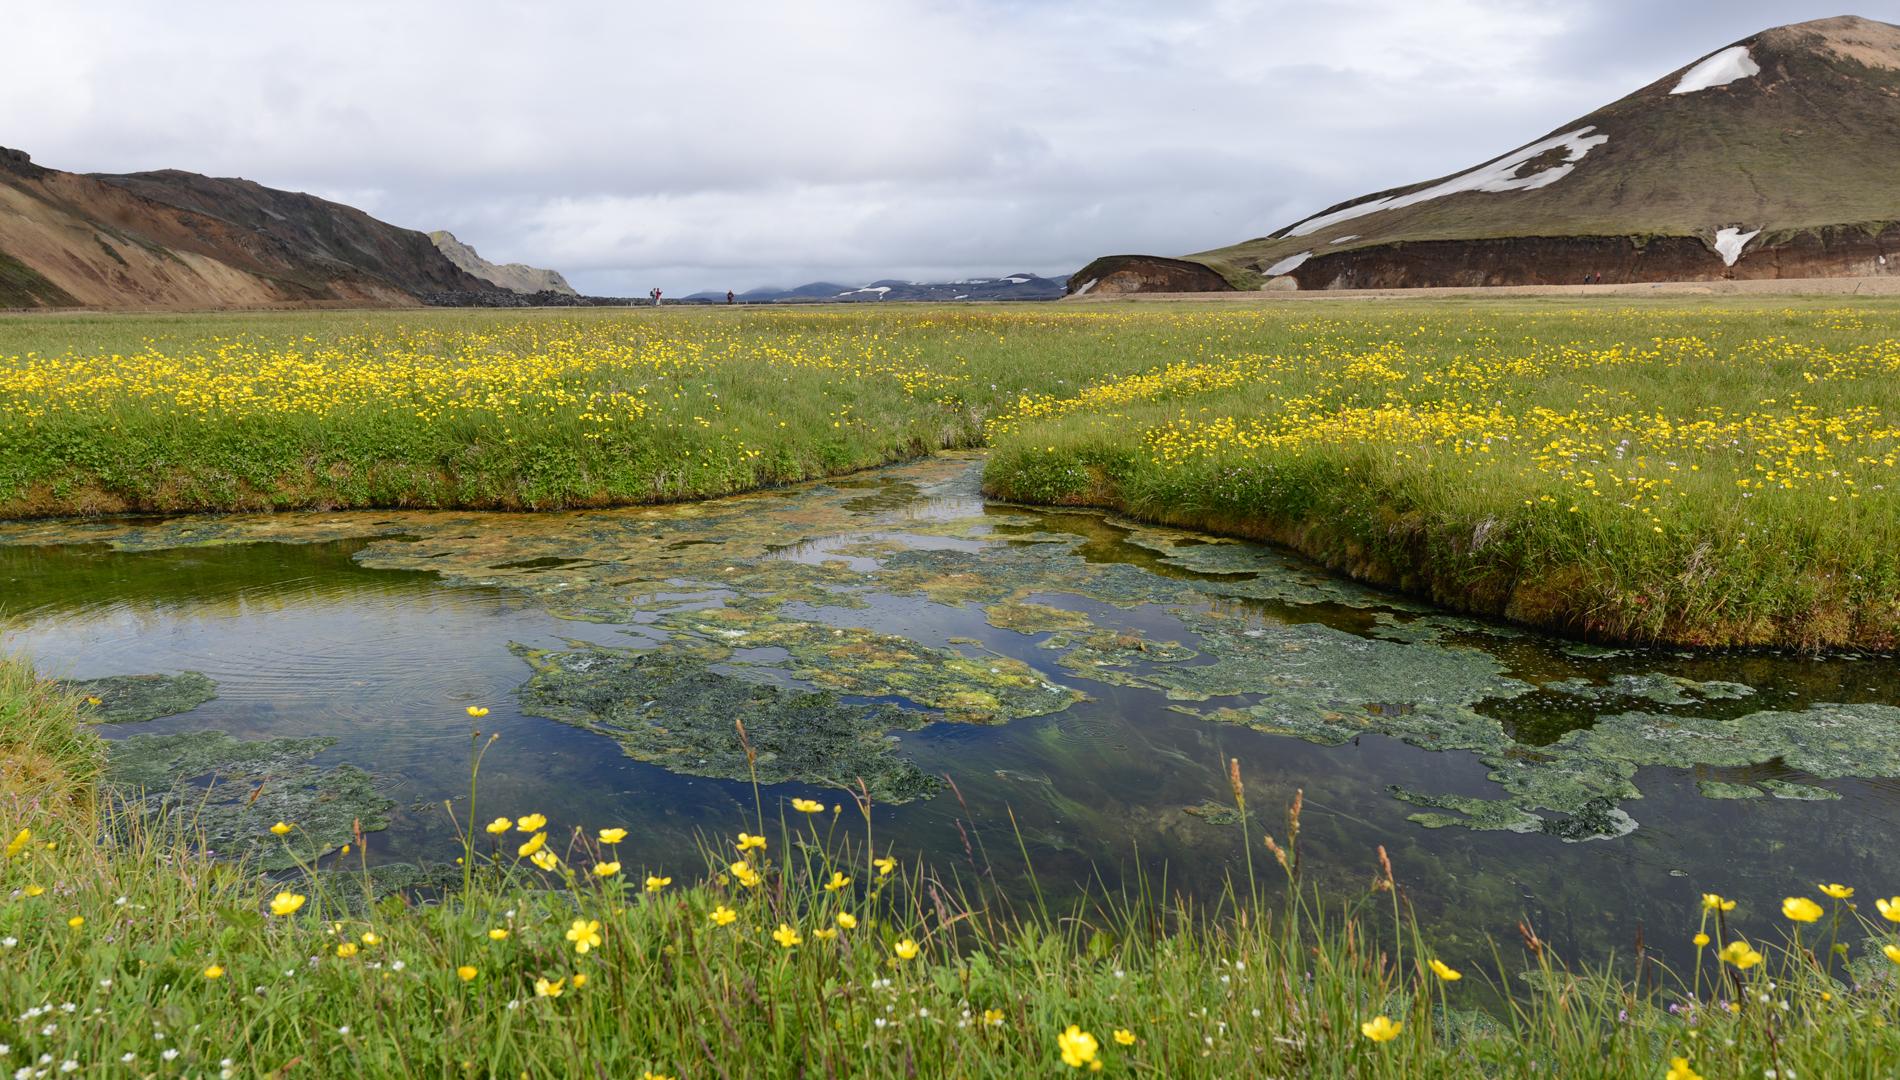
(304, 641)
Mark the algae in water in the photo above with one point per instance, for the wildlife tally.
(232, 790)
(132, 699)
(675, 710)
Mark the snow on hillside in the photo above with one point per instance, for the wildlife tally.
(1721, 69)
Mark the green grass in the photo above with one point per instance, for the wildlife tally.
(125, 943)
(1732, 463)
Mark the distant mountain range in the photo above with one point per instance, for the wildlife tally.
(1004, 287)
(1777, 156)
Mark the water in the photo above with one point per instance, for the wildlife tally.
(376, 629)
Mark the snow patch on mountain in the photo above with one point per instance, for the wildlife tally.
(1730, 242)
(1721, 69)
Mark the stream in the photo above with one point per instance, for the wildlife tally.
(964, 660)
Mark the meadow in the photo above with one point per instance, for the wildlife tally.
(1702, 472)
(801, 948)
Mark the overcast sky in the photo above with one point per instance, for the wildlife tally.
(713, 145)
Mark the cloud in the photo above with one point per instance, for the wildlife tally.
(707, 146)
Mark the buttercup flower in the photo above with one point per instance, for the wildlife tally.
(279, 829)
(747, 842)
(534, 843)
(546, 989)
(1712, 902)
(905, 949)
(585, 934)
(546, 860)
(1889, 909)
(885, 865)
(1444, 971)
(808, 806)
(466, 973)
(786, 936)
(499, 825)
(606, 869)
(655, 882)
(1381, 1028)
(612, 836)
(531, 823)
(838, 881)
(1124, 1037)
(477, 711)
(1078, 1048)
(1741, 954)
(213, 971)
(1679, 1070)
(286, 903)
(1801, 909)
(847, 920)
(1836, 890)
(19, 842)
(722, 915)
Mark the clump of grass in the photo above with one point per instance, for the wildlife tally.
(46, 759)
(810, 951)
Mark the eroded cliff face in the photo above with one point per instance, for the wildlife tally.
(515, 277)
(1117, 275)
(1835, 251)
(173, 239)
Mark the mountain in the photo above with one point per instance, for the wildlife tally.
(515, 277)
(172, 239)
(1022, 286)
(1776, 156)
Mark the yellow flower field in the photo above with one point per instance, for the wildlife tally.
(1719, 472)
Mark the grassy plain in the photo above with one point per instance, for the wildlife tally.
(1694, 471)
(129, 951)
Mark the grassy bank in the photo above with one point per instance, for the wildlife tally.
(1722, 473)
(802, 951)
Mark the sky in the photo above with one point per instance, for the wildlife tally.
(730, 145)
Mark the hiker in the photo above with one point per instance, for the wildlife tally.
(728, 296)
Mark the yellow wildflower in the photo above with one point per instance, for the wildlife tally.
(1124, 1037)
(477, 711)
(722, 915)
(1700, 939)
(1801, 909)
(531, 823)
(747, 842)
(546, 860)
(786, 936)
(286, 903)
(1078, 1048)
(19, 842)
(1712, 902)
(500, 825)
(1836, 890)
(1381, 1028)
(544, 988)
(655, 882)
(612, 836)
(279, 829)
(1679, 1070)
(847, 920)
(466, 973)
(585, 934)
(346, 950)
(498, 934)
(606, 869)
(885, 865)
(825, 934)
(533, 844)
(1444, 971)
(838, 881)
(213, 971)
(76, 921)
(808, 806)
(33, 890)
(905, 949)
(1741, 954)
(1892, 951)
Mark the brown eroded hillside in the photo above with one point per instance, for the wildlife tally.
(172, 239)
